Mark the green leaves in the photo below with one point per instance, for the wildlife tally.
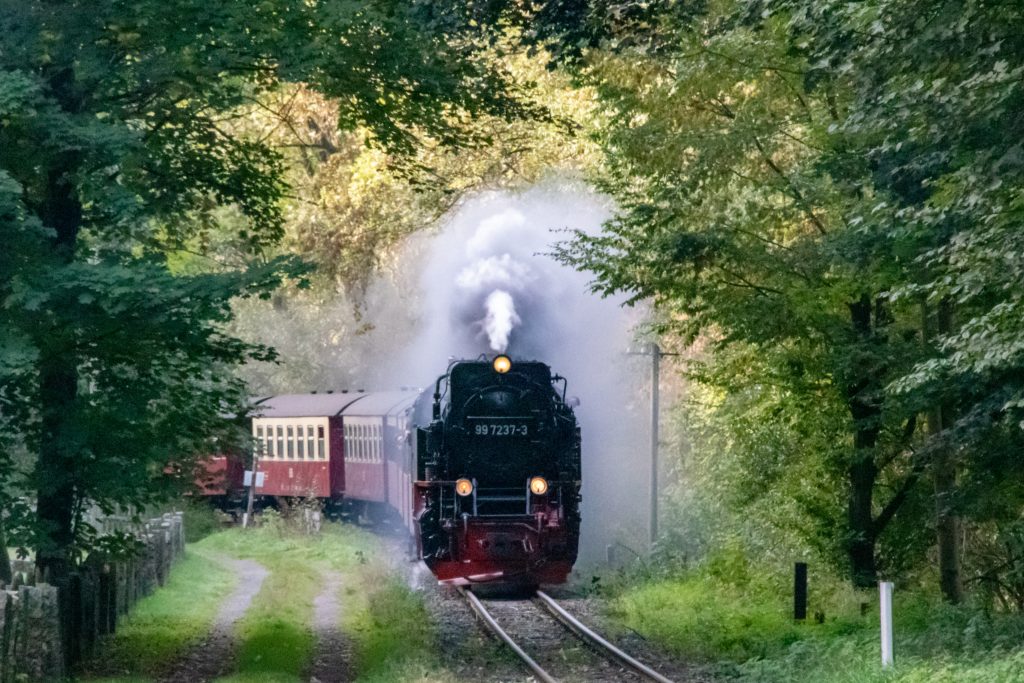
(833, 191)
(119, 153)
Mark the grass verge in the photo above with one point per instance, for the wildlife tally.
(386, 622)
(390, 631)
(388, 626)
(745, 628)
(161, 626)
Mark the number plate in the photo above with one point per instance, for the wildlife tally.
(512, 426)
(500, 429)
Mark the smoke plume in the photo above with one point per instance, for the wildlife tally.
(488, 286)
(500, 319)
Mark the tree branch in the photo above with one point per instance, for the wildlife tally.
(889, 511)
(801, 200)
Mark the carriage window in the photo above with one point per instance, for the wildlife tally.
(300, 443)
(310, 453)
(320, 441)
(279, 452)
(291, 442)
(257, 445)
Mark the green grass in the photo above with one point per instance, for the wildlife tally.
(702, 618)
(340, 547)
(201, 519)
(162, 625)
(745, 627)
(390, 631)
(855, 659)
(389, 628)
(275, 639)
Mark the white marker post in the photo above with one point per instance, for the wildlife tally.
(885, 603)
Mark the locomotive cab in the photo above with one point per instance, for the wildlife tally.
(499, 475)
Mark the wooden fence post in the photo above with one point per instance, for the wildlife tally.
(7, 620)
(800, 591)
(46, 630)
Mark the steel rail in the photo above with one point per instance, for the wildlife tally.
(481, 611)
(577, 627)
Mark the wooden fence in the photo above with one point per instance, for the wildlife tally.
(46, 630)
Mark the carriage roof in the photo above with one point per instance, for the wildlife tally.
(362, 403)
(381, 403)
(306, 405)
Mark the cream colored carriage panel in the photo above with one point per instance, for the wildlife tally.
(363, 439)
(293, 439)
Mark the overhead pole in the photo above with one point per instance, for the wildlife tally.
(655, 353)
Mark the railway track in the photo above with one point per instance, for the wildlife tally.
(544, 650)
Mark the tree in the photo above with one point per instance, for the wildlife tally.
(822, 185)
(935, 101)
(115, 152)
(725, 162)
(351, 214)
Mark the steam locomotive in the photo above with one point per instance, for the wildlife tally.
(498, 475)
(484, 472)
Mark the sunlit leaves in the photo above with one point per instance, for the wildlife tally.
(122, 166)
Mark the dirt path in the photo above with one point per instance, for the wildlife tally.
(213, 656)
(333, 656)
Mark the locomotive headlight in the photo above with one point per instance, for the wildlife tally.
(463, 487)
(502, 364)
(538, 486)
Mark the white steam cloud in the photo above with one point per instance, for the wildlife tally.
(488, 285)
(500, 319)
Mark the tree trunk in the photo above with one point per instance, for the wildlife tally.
(55, 469)
(58, 391)
(6, 575)
(866, 413)
(947, 529)
(944, 478)
(861, 549)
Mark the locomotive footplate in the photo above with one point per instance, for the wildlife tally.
(521, 549)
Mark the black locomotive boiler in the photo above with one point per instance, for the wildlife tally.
(498, 475)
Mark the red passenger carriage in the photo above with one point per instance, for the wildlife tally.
(484, 473)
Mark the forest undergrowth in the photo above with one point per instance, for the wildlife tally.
(737, 615)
